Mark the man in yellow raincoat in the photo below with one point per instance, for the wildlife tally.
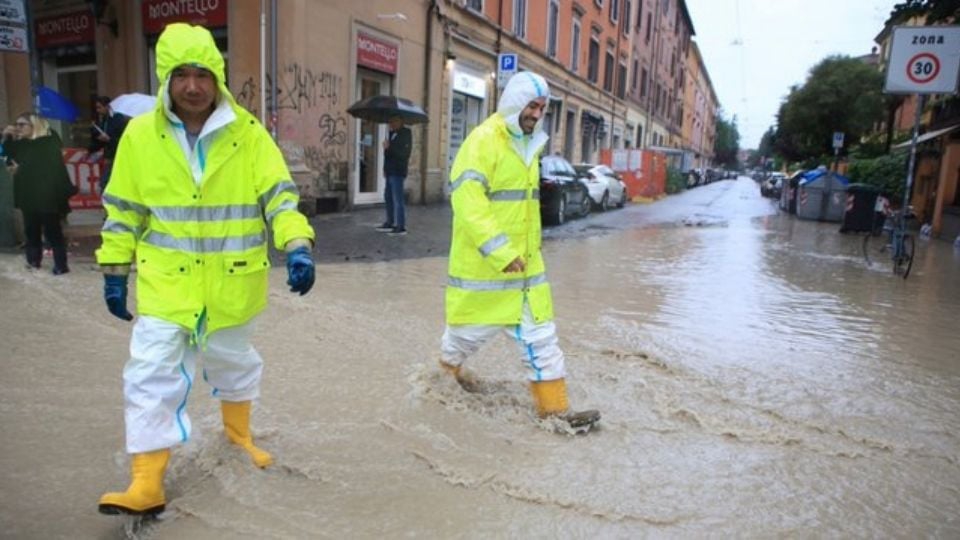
(194, 186)
(496, 277)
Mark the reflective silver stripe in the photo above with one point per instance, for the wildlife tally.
(125, 205)
(535, 195)
(119, 228)
(492, 244)
(496, 285)
(469, 174)
(509, 195)
(206, 245)
(282, 207)
(280, 187)
(206, 213)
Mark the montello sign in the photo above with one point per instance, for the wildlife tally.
(376, 54)
(157, 14)
(74, 28)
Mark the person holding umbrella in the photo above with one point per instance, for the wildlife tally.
(195, 185)
(105, 133)
(396, 154)
(496, 278)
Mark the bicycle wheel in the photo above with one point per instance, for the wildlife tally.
(875, 248)
(904, 260)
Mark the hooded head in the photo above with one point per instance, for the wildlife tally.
(181, 44)
(521, 89)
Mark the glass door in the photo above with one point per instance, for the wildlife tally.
(368, 188)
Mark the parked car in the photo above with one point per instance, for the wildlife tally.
(772, 185)
(562, 194)
(603, 184)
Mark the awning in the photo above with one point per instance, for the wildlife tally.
(927, 136)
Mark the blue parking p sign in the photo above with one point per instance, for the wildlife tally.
(508, 63)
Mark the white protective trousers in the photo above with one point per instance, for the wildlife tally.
(160, 372)
(540, 350)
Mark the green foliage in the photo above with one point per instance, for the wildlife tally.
(727, 143)
(885, 172)
(675, 181)
(840, 94)
(934, 10)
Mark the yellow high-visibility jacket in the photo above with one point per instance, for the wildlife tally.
(496, 218)
(198, 247)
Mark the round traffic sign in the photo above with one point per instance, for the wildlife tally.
(923, 67)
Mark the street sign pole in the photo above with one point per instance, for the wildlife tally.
(923, 60)
(913, 155)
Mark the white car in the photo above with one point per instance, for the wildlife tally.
(605, 187)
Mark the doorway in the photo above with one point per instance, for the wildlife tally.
(368, 189)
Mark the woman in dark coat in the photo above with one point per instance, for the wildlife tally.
(41, 186)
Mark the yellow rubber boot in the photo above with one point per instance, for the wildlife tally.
(550, 398)
(236, 423)
(453, 370)
(145, 494)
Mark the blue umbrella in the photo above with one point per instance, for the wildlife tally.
(54, 106)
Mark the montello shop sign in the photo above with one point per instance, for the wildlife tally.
(376, 54)
(65, 29)
(159, 13)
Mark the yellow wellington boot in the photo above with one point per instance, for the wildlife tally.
(467, 380)
(145, 494)
(236, 423)
(550, 398)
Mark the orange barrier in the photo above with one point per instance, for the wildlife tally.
(643, 171)
(84, 170)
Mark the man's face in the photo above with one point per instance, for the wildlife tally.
(395, 123)
(193, 90)
(101, 108)
(531, 114)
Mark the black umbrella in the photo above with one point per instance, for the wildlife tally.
(382, 108)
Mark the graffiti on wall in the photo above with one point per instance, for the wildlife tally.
(313, 123)
(300, 88)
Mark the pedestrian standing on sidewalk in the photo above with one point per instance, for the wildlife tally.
(396, 155)
(41, 187)
(497, 279)
(194, 187)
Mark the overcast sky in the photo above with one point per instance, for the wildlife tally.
(755, 50)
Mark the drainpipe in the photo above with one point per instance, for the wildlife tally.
(427, 83)
(497, 49)
(263, 62)
(273, 69)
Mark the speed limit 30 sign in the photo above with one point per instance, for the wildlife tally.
(924, 60)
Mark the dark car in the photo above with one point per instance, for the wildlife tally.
(562, 194)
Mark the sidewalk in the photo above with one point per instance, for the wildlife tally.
(342, 236)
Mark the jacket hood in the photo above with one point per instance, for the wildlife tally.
(183, 44)
(521, 89)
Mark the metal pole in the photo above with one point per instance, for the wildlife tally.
(274, 84)
(35, 78)
(913, 158)
(263, 62)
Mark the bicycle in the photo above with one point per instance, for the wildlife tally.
(895, 243)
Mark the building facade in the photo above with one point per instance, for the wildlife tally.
(618, 70)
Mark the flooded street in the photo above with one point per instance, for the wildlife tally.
(756, 379)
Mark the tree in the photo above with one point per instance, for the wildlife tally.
(727, 143)
(934, 10)
(840, 94)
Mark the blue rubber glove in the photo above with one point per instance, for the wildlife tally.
(115, 293)
(300, 271)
